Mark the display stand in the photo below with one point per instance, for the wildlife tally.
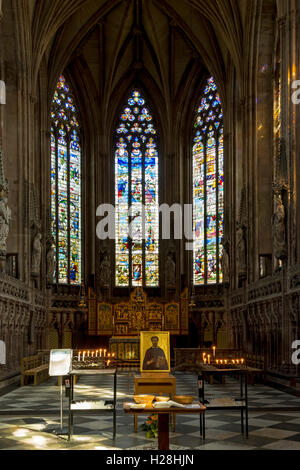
(92, 406)
(158, 383)
(234, 403)
(60, 364)
(163, 418)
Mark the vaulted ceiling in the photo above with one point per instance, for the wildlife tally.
(145, 33)
(105, 43)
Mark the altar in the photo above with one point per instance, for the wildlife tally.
(126, 349)
(139, 313)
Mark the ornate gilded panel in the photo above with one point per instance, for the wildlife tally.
(184, 313)
(92, 317)
(154, 316)
(172, 318)
(105, 319)
(138, 314)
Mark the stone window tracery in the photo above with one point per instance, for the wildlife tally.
(66, 185)
(208, 187)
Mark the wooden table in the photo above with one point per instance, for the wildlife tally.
(154, 386)
(163, 418)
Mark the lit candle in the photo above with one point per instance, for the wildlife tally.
(88, 353)
(108, 355)
(96, 353)
(214, 351)
(233, 361)
(92, 353)
(100, 352)
(79, 356)
(108, 362)
(83, 356)
(221, 361)
(205, 360)
(242, 361)
(203, 356)
(104, 352)
(217, 361)
(225, 361)
(237, 361)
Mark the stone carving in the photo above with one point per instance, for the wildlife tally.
(36, 254)
(170, 270)
(50, 261)
(241, 251)
(5, 217)
(105, 271)
(225, 261)
(279, 235)
(5, 212)
(281, 164)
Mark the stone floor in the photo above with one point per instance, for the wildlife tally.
(29, 415)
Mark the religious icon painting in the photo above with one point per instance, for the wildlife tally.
(155, 351)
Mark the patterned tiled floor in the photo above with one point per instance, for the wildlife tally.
(28, 416)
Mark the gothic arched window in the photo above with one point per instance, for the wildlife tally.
(208, 187)
(136, 196)
(66, 185)
(277, 100)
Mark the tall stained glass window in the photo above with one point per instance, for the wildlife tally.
(208, 187)
(66, 185)
(277, 100)
(136, 196)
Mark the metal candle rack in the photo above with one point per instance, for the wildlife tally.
(229, 366)
(92, 362)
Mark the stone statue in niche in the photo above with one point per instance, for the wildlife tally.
(5, 217)
(279, 234)
(105, 271)
(170, 270)
(241, 250)
(225, 261)
(36, 254)
(50, 261)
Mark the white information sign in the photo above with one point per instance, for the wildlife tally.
(60, 362)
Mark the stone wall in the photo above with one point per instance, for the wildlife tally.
(23, 325)
(240, 44)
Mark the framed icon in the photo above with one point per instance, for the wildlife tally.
(155, 351)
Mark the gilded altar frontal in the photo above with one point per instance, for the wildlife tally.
(150, 226)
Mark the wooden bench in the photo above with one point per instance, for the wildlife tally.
(33, 367)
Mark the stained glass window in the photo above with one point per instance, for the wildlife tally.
(136, 196)
(277, 98)
(208, 187)
(66, 185)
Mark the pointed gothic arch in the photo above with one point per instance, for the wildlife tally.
(208, 187)
(136, 196)
(66, 185)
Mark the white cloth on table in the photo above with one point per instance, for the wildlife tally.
(168, 404)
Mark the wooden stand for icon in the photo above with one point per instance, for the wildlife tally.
(158, 383)
(158, 375)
